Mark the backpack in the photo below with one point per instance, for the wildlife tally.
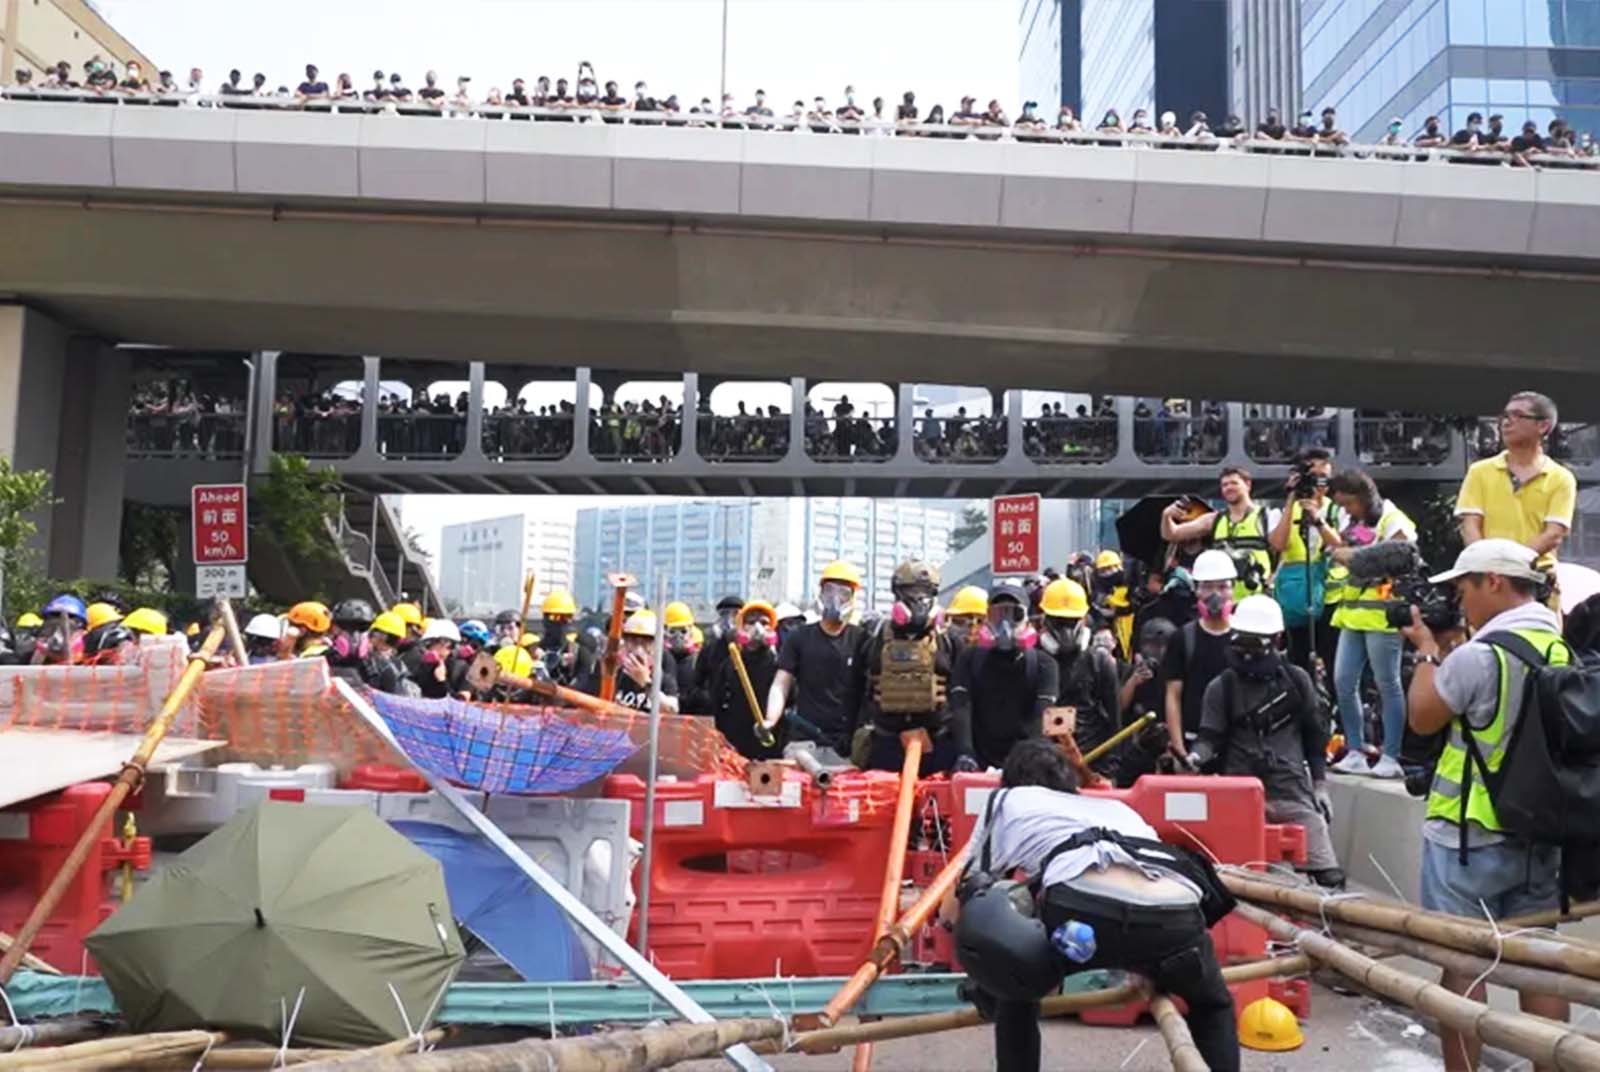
(1547, 790)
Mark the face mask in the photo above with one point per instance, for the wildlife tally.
(916, 614)
(1215, 606)
(756, 635)
(1254, 664)
(1108, 578)
(679, 640)
(1066, 636)
(725, 621)
(1394, 128)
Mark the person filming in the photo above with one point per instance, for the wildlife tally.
(1304, 538)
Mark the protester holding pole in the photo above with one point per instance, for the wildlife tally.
(745, 673)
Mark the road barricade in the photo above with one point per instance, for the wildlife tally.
(35, 839)
(746, 885)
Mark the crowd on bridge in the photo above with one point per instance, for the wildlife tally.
(585, 97)
(169, 418)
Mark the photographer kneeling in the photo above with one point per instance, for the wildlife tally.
(1469, 863)
(1103, 893)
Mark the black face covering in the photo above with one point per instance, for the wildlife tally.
(1067, 635)
(1253, 659)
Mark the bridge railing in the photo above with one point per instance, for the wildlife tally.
(316, 435)
(851, 439)
(876, 127)
(208, 436)
(1572, 443)
(960, 440)
(421, 436)
(517, 437)
(1384, 441)
(1276, 440)
(742, 437)
(1070, 440)
(1181, 440)
(615, 435)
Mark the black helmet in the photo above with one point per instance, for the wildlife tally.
(1003, 945)
(506, 617)
(108, 637)
(353, 614)
(730, 603)
(1156, 631)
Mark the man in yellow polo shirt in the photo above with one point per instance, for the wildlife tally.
(1520, 494)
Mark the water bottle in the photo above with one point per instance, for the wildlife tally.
(1074, 940)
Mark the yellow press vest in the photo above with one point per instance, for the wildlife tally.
(1362, 609)
(1250, 536)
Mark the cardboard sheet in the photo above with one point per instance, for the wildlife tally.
(34, 762)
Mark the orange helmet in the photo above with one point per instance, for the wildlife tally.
(311, 616)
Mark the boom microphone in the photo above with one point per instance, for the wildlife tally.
(1386, 558)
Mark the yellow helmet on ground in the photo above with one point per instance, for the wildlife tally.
(1107, 560)
(311, 616)
(409, 613)
(640, 624)
(969, 600)
(390, 624)
(843, 572)
(98, 614)
(146, 620)
(29, 620)
(679, 616)
(1064, 598)
(513, 660)
(1267, 1024)
(559, 601)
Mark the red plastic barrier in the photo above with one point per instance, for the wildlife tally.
(35, 838)
(742, 886)
(384, 778)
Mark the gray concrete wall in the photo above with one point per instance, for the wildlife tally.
(91, 461)
(32, 378)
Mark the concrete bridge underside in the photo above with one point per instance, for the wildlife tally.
(850, 303)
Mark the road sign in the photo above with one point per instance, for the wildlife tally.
(221, 532)
(213, 581)
(1014, 529)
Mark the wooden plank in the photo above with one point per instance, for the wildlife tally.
(43, 761)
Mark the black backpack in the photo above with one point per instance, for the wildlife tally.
(1547, 790)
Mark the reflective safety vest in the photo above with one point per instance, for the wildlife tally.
(1364, 610)
(1444, 799)
(1249, 535)
(1294, 552)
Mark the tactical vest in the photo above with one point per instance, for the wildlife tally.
(907, 680)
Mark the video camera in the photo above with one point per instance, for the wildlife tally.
(1400, 562)
(1308, 482)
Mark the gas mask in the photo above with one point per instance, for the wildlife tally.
(756, 633)
(725, 626)
(680, 640)
(834, 602)
(1007, 629)
(1063, 636)
(915, 612)
(1215, 606)
(1253, 656)
(1107, 579)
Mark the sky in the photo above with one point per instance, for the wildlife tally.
(794, 49)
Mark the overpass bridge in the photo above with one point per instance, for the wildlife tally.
(1114, 268)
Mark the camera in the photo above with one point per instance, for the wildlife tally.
(1307, 481)
(1439, 604)
(1248, 567)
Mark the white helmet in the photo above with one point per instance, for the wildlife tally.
(1258, 616)
(785, 611)
(1213, 566)
(441, 629)
(264, 627)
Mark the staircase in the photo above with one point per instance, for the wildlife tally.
(364, 569)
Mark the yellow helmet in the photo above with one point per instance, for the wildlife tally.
(409, 613)
(192, 630)
(559, 601)
(640, 624)
(146, 620)
(1064, 598)
(843, 572)
(1267, 1024)
(389, 623)
(678, 615)
(1107, 560)
(29, 620)
(969, 600)
(529, 640)
(696, 636)
(98, 614)
(513, 660)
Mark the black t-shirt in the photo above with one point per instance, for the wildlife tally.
(1150, 697)
(1207, 657)
(1462, 137)
(1304, 130)
(906, 111)
(829, 675)
(313, 89)
(629, 692)
(1524, 142)
(519, 97)
(1003, 695)
(430, 93)
(1275, 131)
(613, 100)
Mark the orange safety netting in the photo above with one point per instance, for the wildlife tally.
(115, 699)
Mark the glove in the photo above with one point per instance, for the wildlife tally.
(966, 765)
(1324, 803)
(1193, 761)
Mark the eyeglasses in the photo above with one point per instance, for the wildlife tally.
(1519, 415)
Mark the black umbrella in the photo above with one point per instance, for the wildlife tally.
(1139, 529)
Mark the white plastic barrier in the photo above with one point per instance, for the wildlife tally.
(197, 799)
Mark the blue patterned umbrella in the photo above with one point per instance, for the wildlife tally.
(488, 749)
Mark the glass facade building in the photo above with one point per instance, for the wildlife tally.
(1125, 54)
(1525, 59)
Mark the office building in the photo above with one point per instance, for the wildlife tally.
(771, 549)
(1158, 55)
(482, 564)
(37, 33)
(1526, 59)
(1263, 58)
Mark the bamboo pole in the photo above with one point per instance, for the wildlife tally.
(763, 734)
(610, 1051)
(527, 602)
(132, 774)
(1515, 976)
(830, 1039)
(114, 1052)
(29, 961)
(1544, 1043)
(1121, 735)
(1175, 1033)
(337, 1058)
(241, 655)
(52, 1033)
(1456, 933)
(894, 870)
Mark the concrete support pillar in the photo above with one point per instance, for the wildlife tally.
(1125, 407)
(473, 448)
(1233, 452)
(1344, 438)
(688, 428)
(91, 462)
(1014, 419)
(371, 387)
(581, 447)
(262, 405)
(905, 424)
(797, 419)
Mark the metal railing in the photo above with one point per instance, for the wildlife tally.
(1403, 440)
(206, 436)
(421, 436)
(960, 440)
(634, 437)
(360, 557)
(980, 130)
(316, 435)
(1181, 440)
(527, 437)
(1276, 440)
(742, 437)
(851, 439)
(1070, 440)
(1572, 442)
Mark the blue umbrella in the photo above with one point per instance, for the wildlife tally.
(493, 899)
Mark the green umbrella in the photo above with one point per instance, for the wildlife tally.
(284, 898)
